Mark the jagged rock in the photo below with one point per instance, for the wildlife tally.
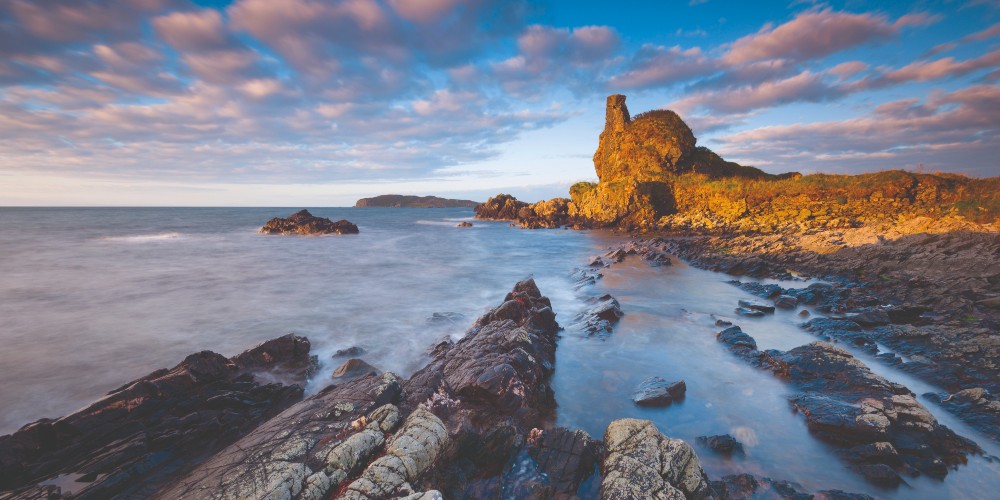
(655, 391)
(755, 306)
(566, 457)
(976, 406)
(723, 443)
(747, 312)
(500, 207)
(639, 463)
(353, 351)
(131, 441)
(464, 224)
(846, 404)
(601, 317)
(305, 223)
(352, 369)
(309, 449)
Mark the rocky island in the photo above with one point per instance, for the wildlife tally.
(304, 223)
(409, 201)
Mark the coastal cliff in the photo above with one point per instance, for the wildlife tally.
(653, 176)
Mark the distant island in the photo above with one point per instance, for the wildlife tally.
(409, 201)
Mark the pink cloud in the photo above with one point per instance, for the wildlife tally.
(947, 67)
(986, 34)
(423, 11)
(815, 34)
(658, 66)
(191, 30)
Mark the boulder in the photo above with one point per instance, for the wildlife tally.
(464, 224)
(640, 462)
(723, 443)
(352, 369)
(500, 207)
(655, 391)
(601, 317)
(304, 223)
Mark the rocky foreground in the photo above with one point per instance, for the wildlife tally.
(474, 423)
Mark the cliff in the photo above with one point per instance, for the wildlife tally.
(408, 201)
(653, 175)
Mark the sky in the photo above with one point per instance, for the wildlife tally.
(321, 102)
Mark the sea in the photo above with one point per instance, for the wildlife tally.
(91, 298)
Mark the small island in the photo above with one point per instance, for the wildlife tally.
(304, 223)
(409, 201)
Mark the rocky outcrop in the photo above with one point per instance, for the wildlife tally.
(742, 486)
(409, 201)
(880, 427)
(656, 391)
(145, 432)
(303, 223)
(500, 207)
(640, 463)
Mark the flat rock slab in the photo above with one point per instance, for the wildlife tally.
(656, 391)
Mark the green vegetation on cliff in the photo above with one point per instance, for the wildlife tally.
(407, 201)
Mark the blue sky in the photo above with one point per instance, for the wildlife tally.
(318, 103)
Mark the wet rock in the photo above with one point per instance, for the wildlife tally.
(305, 223)
(975, 406)
(786, 301)
(601, 317)
(655, 391)
(742, 486)
(599, 262)
(804, 313)
(446, 318)
(640, 462)
(309, 449)
(722, 322)
(566, 457)
(352, 369)
(846, 404)
(464, 224)
(723, 443)
(750, 313)
(129, 442)
(874, 317)
(353, 352)
(756, 306)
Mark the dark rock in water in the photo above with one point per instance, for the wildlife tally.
(601, 318)
(566, 457)
(352, 369)
(464, 224)
(804, 313)
(875, 317)
(500, 207)
(722, 322)
(975, 406)
(722, 443)
(748, 486)
(446, 318)
(906, 314)
(750, 313)
(658, 258)
(655, 391)
(599, 262)
(756, 306)
(846, 404)
(585, 277)
(786, 301)
(305, 223)
(640, 462)
(139, 435)
(353, 351)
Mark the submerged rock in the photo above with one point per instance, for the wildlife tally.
(305, 223)
(723, 443)
(655, 391)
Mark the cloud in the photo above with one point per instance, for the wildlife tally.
(197, 30)
(949, 131)
(658, 66)
(816, 34)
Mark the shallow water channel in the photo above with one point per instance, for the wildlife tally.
(669, 330)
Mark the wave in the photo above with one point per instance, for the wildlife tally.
(445, 222)
(144, 238)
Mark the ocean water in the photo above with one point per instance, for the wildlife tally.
(91, 298)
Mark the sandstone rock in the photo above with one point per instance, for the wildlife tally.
(352, 369)
(639, 462)
(305, 223)
(655, 391)
(500, 207)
